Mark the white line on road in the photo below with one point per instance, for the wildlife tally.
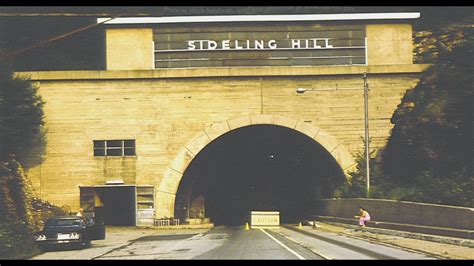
(283, 245)
(306, 246)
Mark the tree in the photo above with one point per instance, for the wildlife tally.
(21, 140)
(357, 187)
(17, 223)
(429, 154)
(21, 120)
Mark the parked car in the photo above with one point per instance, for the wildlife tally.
(71, 231)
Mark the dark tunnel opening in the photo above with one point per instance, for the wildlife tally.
(260, 167)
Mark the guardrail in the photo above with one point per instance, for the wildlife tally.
(166, 222)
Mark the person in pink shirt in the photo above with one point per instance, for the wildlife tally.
(363, 217)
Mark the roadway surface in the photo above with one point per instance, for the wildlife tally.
(285, 243)
(255, 244)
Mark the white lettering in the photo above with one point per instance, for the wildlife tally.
(225, 44)
(191, 45)
(259, 44)
(272, 44)
(295, 44)
(315, 44)
(213, 46)
(237, 45)
(327, 44)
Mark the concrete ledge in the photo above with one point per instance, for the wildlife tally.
(221, 72)
(376, 226)
(399, 212)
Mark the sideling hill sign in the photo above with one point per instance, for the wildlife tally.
(315, 43)
(273, 44)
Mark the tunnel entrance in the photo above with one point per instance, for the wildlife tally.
(258, 167)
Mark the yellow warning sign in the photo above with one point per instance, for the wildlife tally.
(264, 219)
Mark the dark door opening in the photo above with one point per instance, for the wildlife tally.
(119, 205)
(261, 167)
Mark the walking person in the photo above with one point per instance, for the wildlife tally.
(363, 217)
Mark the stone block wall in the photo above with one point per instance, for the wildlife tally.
(399, 212)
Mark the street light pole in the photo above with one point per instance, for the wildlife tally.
(366, 118)
(366, 112)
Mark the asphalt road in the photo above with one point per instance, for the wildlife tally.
(255, 244)
(222, 242)
(334, 246)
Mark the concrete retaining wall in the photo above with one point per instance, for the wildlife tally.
(400, 212)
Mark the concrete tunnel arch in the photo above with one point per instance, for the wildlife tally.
(168, 187)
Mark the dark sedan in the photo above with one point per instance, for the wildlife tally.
(70, 230)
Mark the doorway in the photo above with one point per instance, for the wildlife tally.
(116, 204)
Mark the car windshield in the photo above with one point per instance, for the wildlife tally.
(64, 222)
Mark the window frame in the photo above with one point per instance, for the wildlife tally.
(105, 148)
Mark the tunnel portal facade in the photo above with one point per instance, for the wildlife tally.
(171, 88)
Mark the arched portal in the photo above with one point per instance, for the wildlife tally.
(168, 188)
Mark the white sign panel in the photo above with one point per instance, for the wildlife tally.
(263, 219)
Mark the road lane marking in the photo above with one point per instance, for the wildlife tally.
(306, 246)
(344, 244)
(283, 245)
(196, 236)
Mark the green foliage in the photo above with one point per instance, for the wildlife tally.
(21, 120)
(21, 144)
(429, 154)
(14, 192)
(405, 193)
(428, 44)
(16, 220)
(16, 241)
(357, 187)
(21, 214)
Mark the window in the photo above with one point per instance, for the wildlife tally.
(114, 147)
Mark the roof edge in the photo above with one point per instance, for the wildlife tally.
(260, 18)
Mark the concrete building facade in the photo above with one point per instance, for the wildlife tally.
(173, 85)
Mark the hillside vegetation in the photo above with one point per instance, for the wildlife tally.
(428, 156)
(21, 146)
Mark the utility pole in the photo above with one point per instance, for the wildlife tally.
(366, 117)
(367, 155)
